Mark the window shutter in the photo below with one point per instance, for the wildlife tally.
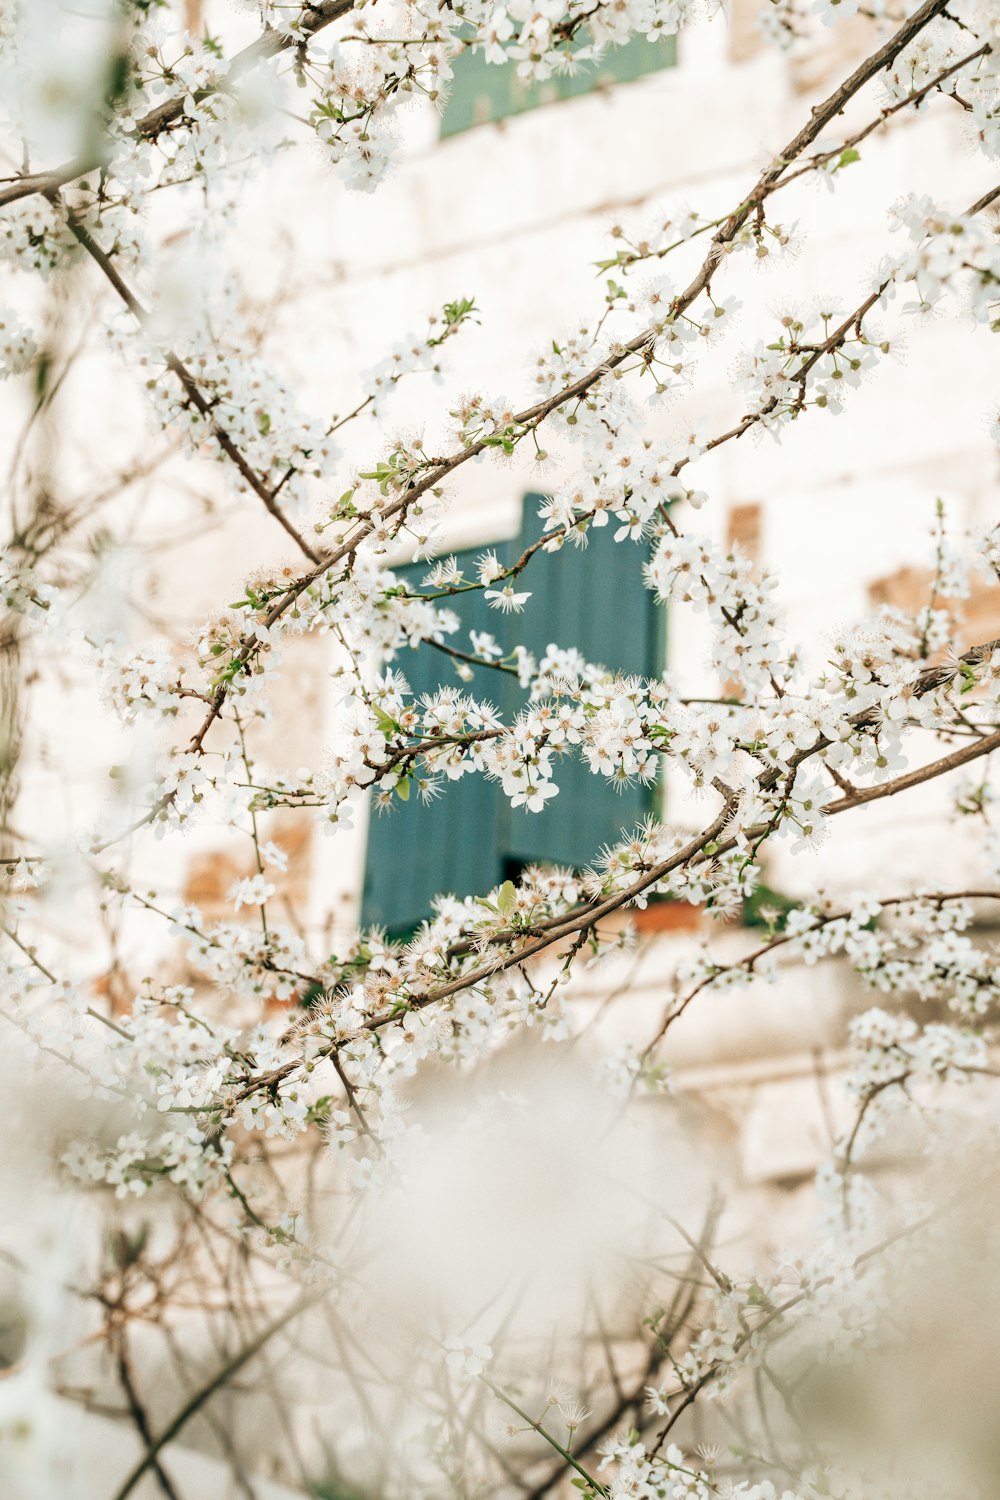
(591, 598)
(470, 838)
(451, 846)
(482, 92)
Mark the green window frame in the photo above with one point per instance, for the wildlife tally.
(483, 92)
(470, 838)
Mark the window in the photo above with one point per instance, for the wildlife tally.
(483, 91)
(470, 838)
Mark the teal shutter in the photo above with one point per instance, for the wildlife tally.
(470, 838)
(592, 598)
(418, 850)
(482, 92)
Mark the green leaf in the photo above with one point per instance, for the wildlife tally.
(507, 897)
(847, 157)
(43, 370)
(403, 789)
(454, 312)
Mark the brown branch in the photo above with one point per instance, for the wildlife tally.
(187, 381)
(911, 100)
(986, 201)
(632, 1400)
(780, 940)
(467, 656)
(139, 1416)
(941, 767)
(816, 352)
(221, 1378)
(929, 679)
(579, 919)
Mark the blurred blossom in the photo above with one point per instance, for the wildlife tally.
(64, 72)
(519, 1204)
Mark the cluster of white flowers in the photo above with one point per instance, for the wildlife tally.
(897, 1056)
(22, 591)
(136, 1161)
(988, 546)
(952, 252)
(801, 367)
(17, 347)
(855, 717)
(668, 1473)
(34, 236)
(360, 85)
(142, 684)
(252, 407)
(971, 72)
(415, 354)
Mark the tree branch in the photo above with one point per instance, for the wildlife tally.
(222, 1376)
(941, 767)
(269, 44)
(187, 381)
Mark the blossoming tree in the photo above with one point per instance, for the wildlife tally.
(298, 1185)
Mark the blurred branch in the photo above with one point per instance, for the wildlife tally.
(220, 1379)
(187, 381)
(270, 44)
